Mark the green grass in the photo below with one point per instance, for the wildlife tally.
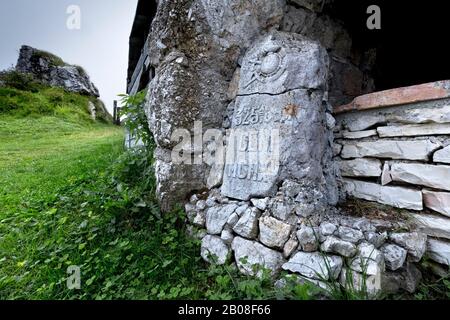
(54, 59)
(70, 195)
(40, 157)
(41, 101)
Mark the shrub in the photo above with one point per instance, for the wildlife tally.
(21, 81)
(135, 117)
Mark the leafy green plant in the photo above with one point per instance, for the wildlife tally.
(135, 117)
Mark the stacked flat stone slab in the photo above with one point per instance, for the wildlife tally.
(320, 250)
(406, 133)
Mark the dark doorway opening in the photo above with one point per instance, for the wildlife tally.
(411, 45)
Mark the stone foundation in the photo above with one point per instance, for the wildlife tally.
(274, 233)
(262, 77)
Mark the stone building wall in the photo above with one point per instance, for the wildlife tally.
(350, 66)
(202, 43)
(393, 147)
(260, 77)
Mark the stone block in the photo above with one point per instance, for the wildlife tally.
(434, 226)
(338, 246)
(315, 265)
(407, 150)
(398, 197)
(214, 250)
(247, 226)
(275, 64)
(432, 176)
(399, 96)
(414, 130)
(359, 134)
(369, 261)
(217, 217)
(394, 256)
(273, 232)
(442, 156)
(415, 243)
(308, 239)
(430, 112)
(360, 168)
(439, 251)
(437, 201)
(251, 255)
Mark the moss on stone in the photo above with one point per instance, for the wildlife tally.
(53, 59)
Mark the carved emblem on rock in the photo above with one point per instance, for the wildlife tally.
(269, 64)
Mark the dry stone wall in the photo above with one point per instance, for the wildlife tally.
(264, 75)
(285, 220)
(276, 234)
(393, 147)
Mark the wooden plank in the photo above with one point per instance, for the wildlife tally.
(398, 96)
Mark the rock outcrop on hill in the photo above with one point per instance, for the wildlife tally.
(53, 71)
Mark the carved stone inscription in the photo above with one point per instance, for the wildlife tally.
(277, 129)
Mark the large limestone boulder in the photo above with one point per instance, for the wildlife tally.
(53, 71)
(196, 42)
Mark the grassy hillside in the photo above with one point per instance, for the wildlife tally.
(47, 135)
(48, 143)
(47, 101)
(70, 195)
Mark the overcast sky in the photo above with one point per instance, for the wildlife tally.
(100, 46)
